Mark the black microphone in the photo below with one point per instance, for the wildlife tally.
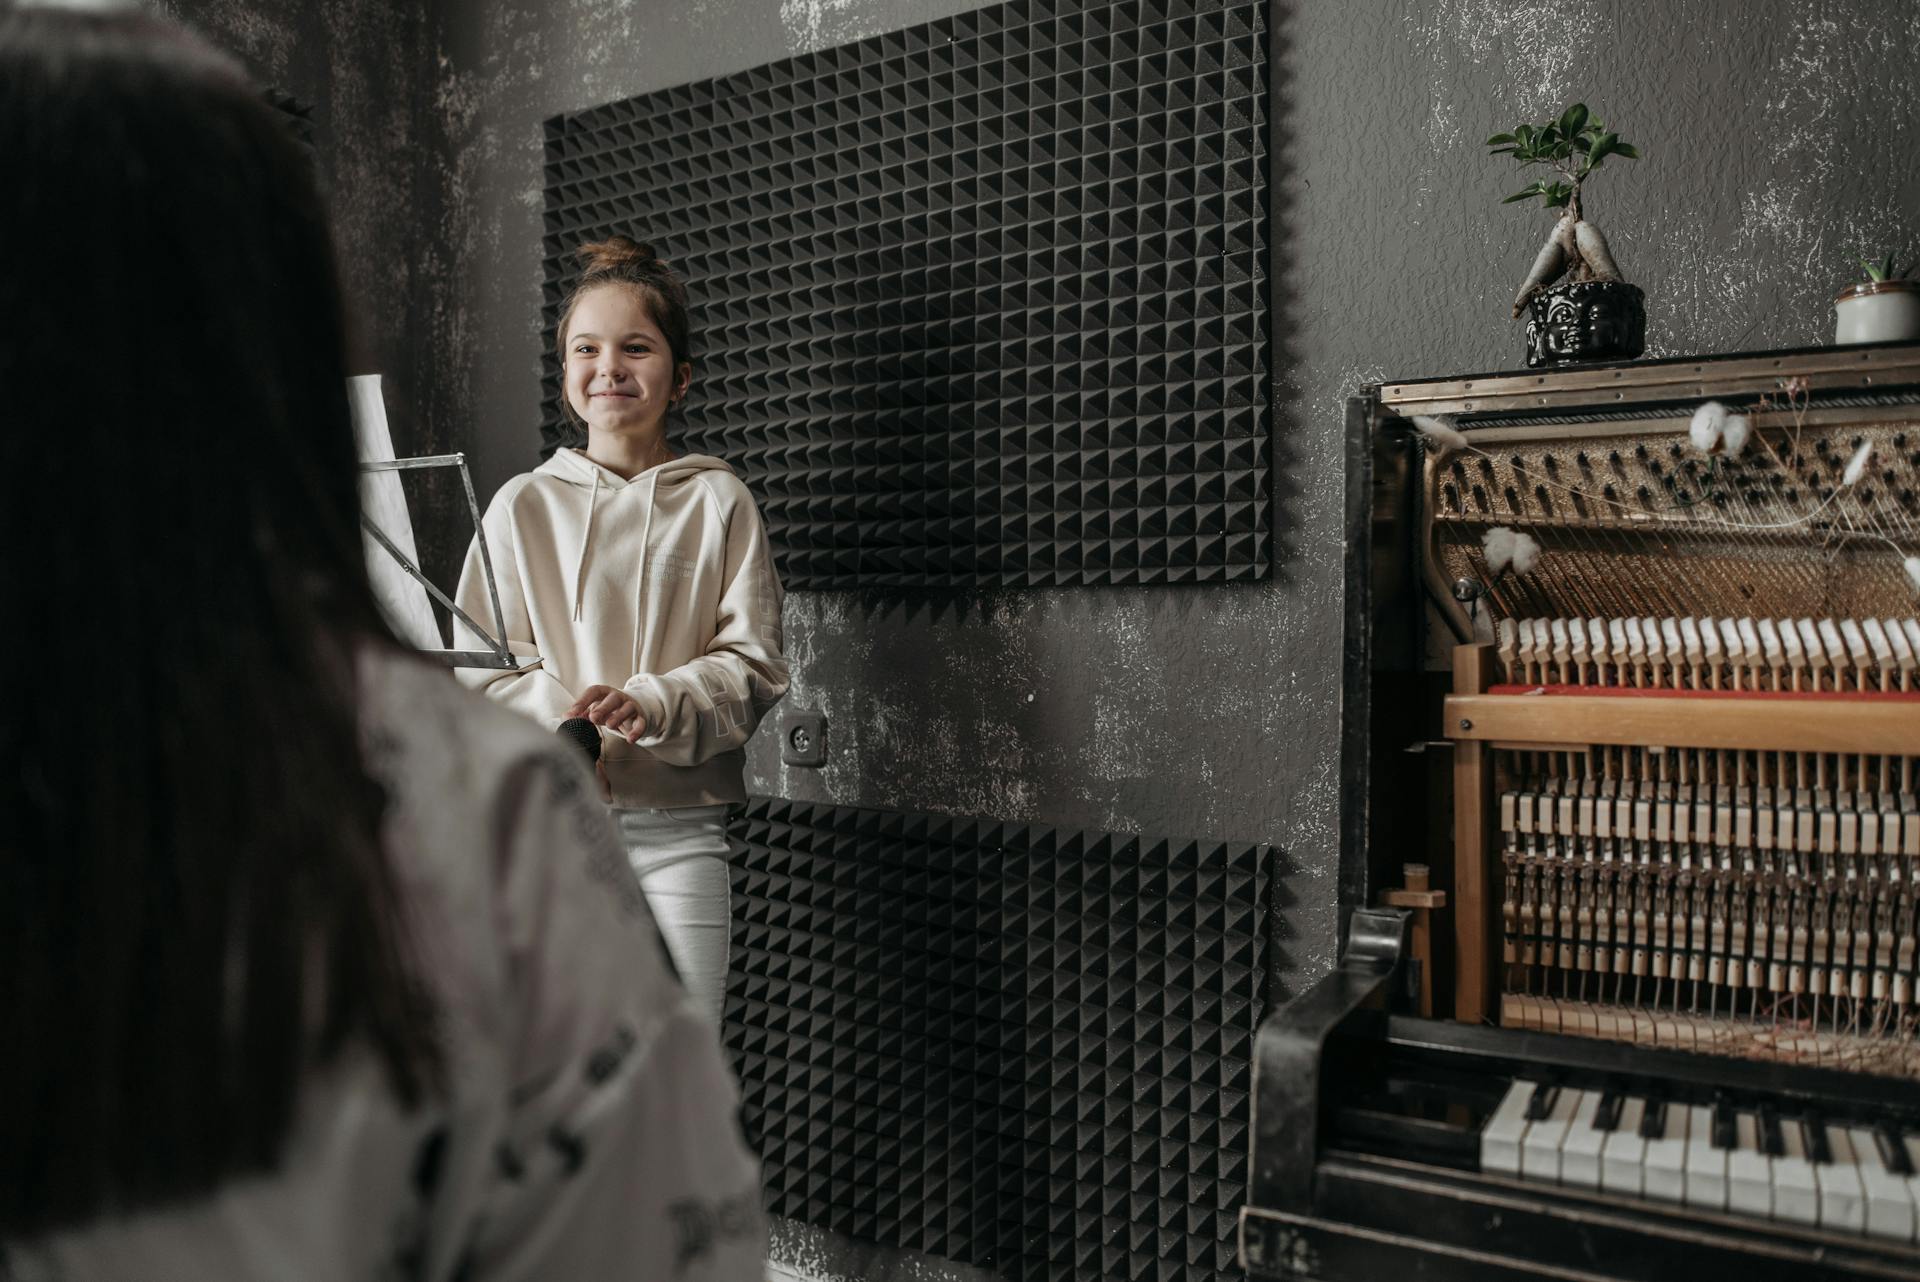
(583, 734)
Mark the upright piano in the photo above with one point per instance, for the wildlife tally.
(1630, 845)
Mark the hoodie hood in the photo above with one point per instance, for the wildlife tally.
(575, 468)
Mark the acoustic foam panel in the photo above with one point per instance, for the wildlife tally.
(983, 302)
(1010, 1046)
(295, 114)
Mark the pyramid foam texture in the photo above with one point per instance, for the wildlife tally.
(982, 302)
(1015, 1047)
(295, 114)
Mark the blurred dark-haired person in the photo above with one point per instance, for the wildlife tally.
(642, 579)
(318, 967)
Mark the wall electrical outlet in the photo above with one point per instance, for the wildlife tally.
(803, 738)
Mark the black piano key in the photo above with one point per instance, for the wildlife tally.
(1653, 1124)
(1542, 1103)
(1893, 1153)
(1725, 1132)
(1772, 1142)
(1606, 1117)
(1818, 1150)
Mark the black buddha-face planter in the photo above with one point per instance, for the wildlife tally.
(1588, 320)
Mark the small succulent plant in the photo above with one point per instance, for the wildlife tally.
(1888, 269)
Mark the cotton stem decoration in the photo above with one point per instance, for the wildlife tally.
(1718, 432)
(1441, 435)
(1509, 549)
(1857, 465)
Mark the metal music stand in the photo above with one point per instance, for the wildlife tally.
(497, 656)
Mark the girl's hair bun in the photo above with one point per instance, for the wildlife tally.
(614, 253)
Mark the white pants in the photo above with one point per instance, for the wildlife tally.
(680, 856)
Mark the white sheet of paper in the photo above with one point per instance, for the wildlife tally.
(402, 600)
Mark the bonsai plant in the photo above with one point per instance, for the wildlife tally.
(1882, 308)
(1593, 314)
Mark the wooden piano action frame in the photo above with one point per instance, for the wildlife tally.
(1480, 722)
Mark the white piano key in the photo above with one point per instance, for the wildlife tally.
(1540, 1147)
(1706, 1171)
(1796, 1196)
(1500, 1138)
(1843, 1202)
(1912, 1145)
(1580, 1155)
(1623, 1157)
(1749, 1170)
(1890, 1207)
(1666, 1163)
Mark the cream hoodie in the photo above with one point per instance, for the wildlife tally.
(663, 586)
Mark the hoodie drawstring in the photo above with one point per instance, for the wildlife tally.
(640, 585)
(586, 537)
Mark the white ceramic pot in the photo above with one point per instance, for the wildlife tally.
(1877, 311)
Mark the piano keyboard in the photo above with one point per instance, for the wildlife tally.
(1756, 1162)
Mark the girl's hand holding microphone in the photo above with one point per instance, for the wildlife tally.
(603, 706)
(614, 709)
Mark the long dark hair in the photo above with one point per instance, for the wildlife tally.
(195, 908)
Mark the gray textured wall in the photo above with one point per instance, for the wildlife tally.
(360, 65)
(366, 68)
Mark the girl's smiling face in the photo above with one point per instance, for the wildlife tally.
(620, 374)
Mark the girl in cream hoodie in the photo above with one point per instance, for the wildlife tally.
(640, 583)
